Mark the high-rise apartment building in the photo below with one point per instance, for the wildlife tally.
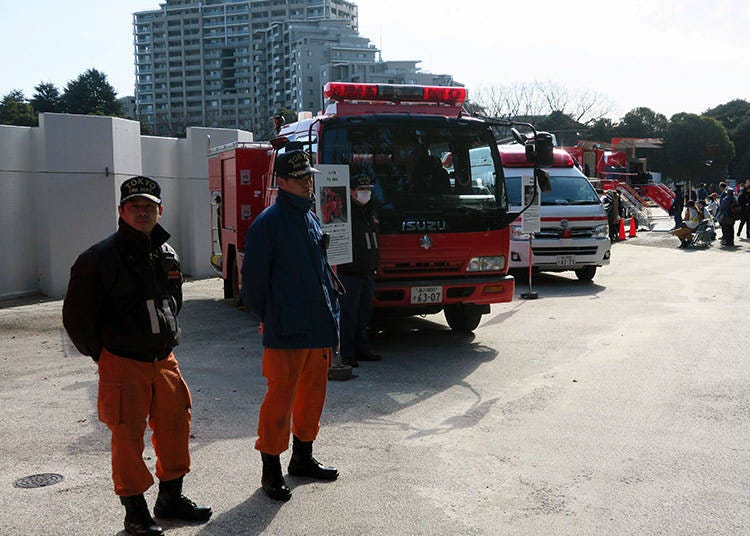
(196, 63)
(234, 64)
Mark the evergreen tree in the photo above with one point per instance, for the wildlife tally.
(47, 98)
(696, 147)
(14, 110)
(642, 123)
(90, 93)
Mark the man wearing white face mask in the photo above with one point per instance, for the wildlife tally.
(358, 276)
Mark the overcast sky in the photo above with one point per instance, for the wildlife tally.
(671, 56)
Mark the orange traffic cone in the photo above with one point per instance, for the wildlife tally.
(631, 234)
(621, 235)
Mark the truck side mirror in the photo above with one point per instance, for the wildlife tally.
(544, 144)
(542, 179)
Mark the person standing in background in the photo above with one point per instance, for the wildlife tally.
(358, 276)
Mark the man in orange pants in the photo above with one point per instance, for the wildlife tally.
(121, 310)
(289, 286)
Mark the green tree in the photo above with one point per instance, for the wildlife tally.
(642, 123)
(740, 166)
(14, 110)
(601, 130)
(730, 114)
(563, 126)
(47, 98)
(696, 147)
(90, 93)
(735, 116)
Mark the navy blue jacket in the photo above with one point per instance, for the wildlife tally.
(286, 280)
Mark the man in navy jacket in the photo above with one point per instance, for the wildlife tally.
(289, 286)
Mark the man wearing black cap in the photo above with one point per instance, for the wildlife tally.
(121, 310)
(288, 285)
(358, 276)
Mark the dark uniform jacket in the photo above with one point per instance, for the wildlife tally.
(124, 295)
(365, 249)
(743, 200)
(727, 207)
(286, 280)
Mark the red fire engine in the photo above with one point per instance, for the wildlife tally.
(438, 184)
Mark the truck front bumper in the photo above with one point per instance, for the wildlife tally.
(480, 290)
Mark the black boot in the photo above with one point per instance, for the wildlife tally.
(137, 519)
(171, 503)
(273, 483)
(303, 463)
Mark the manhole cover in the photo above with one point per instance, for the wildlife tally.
(38, 481)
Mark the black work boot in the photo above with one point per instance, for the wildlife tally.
(137, 519)
(303, 463)
(273, 483)
(171, 503)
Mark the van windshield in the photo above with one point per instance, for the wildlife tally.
(565, 191)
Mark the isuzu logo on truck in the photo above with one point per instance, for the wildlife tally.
(420, 226)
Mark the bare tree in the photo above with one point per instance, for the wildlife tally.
(532, 99)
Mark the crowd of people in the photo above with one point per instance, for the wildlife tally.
(701, 209)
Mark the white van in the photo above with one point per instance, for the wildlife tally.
(573, 232)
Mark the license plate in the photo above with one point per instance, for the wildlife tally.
(426, 294)
(566, 260)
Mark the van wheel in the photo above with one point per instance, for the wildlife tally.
(462, 318)
(586, 273)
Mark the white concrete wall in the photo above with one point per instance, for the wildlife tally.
(60, 184)
(18, 260)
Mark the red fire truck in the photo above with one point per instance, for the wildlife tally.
(438, 183)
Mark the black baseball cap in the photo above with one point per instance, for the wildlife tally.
(140, 187)
(294, 165)
(360, 180)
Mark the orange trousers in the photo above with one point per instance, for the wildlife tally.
(130, 394)
(296, 390)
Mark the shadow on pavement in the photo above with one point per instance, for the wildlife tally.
(249, 517)
(559, 285)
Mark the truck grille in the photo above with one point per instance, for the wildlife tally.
(550, 252)
(400, 268)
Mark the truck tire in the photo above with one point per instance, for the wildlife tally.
(586, 273)
(232, 282)
(463, 318)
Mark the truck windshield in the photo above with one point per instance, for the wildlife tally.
(564, 191)
(419, 164)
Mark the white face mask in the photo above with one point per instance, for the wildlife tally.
(363, 196)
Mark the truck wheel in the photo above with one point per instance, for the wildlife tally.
(228, 283)
(462, 318)
(586, 273)
(232, 282)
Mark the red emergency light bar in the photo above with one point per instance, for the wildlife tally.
(343, 91)
(515, 156)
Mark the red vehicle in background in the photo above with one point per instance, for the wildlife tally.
(438, 183)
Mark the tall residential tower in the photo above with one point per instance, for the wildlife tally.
(234, 64)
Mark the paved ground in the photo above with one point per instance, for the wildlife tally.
(615, 407)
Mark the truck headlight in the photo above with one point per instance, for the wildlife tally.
(486, 264)
(516, 234)
(601, 231)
